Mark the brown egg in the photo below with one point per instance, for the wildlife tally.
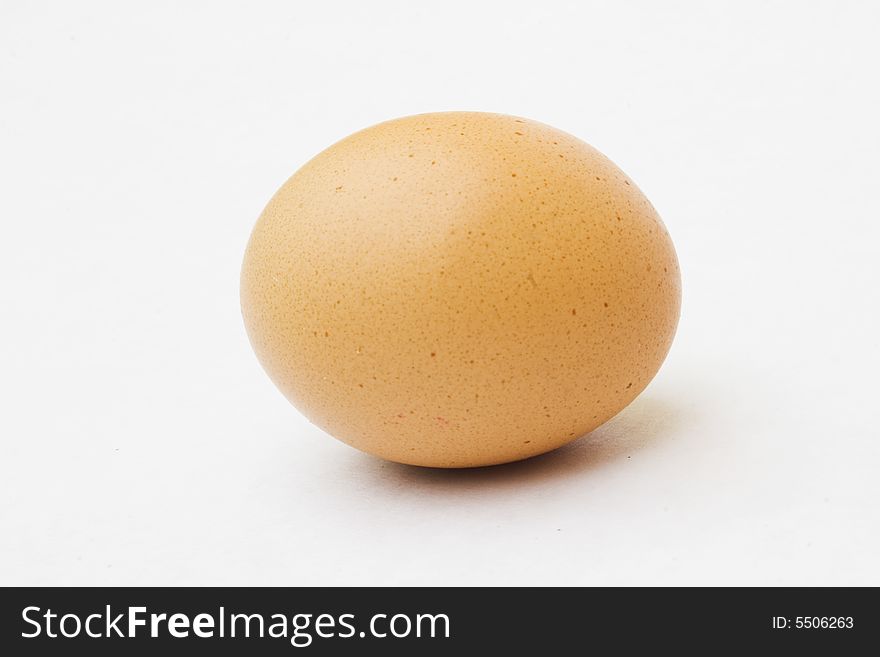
(460, 289)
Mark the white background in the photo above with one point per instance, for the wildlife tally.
(143, 444)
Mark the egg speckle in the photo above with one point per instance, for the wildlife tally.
(460, 289)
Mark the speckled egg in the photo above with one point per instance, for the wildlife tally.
(460, 289)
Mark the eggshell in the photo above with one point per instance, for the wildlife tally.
(460, 289)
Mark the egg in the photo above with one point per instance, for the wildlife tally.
(460, 289)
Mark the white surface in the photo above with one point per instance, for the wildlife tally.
(141, 441)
